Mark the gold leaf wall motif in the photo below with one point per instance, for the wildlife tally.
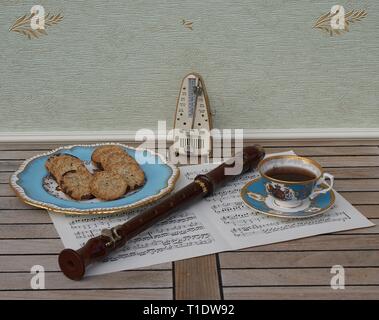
(187, 24)
(324, 22)
(22, 25)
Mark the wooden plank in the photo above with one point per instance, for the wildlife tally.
(4, 177)
(324, 242)
(24, 263)
(313, 142)
(357, 185)
(31, 246)
(361, 197)
(264, 142)
(29, 231)
(24, 216)
(19, 155)
(9, 165)
(328, 151)
(47, 146)
(28, 153)
(197, 278)
(348, 161)
(13, 203)
(6, 190)
(354, 173)
(267, 143)
(236, 260)
(370, 211)
(120, 280)
(129, 294)
(314, 293)
(296, 277)
(9, 146)
(39, 146)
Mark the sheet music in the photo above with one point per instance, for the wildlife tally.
(217, 223)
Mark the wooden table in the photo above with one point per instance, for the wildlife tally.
(297, 269)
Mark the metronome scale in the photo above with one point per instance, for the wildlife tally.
(193, 120)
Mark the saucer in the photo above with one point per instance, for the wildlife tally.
(255, 196)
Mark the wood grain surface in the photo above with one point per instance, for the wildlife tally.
(298, 269)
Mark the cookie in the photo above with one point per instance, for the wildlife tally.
(50, 163)
(65, 163)
(101, 152)
(108, 161)
(76, 184)
(108, 185)
(59, 164)
(131, 173)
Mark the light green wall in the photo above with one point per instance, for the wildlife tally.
(117, 65)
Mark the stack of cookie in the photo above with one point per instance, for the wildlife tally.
(120, 171)
(71, 175)
(119, 174)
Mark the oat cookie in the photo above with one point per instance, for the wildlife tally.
(108, 185)
(115, 158)
(131, 173)
(76, 184)
(65, 163)
(101, 152)
(59, 164)
(50, 163)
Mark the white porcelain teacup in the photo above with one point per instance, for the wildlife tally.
(291, 180)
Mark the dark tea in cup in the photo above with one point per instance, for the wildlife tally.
(290, 174)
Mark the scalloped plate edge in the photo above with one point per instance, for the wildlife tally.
(20, 192)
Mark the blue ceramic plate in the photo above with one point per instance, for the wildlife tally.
(34, 185)
(254, 194)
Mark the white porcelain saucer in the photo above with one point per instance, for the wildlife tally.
(272, 204)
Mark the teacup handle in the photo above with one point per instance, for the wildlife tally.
(324, 177)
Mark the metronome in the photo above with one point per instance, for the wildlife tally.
(193, 119)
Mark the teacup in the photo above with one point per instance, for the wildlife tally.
(291, 180)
